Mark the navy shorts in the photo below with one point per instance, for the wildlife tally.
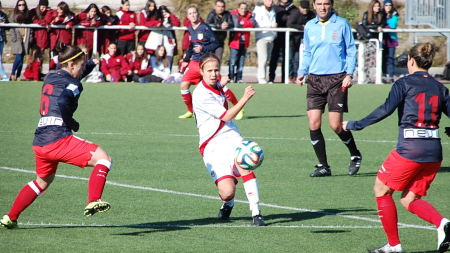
(327, 89)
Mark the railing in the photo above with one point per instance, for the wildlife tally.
(288, 32)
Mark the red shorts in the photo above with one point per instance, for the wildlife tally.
(192, 73)
(70, 150)
(400, 173)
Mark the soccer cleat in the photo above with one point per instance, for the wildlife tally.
(240, 115)
(186, 115)
(443, 232)
(224, 212)
(321, 171)
(5, 79)
(8, 223)
(258, 221)
(240, 81)
(355, 163)
(388, 249)
(96, 206)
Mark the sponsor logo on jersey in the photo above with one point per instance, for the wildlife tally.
(200, 36)
(334, 36)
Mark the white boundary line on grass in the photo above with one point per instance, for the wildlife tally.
(239, 201)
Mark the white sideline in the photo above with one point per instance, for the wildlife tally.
(239, 201)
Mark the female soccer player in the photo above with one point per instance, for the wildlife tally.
(412, 166)
(202, 40)
(54, 141)
(219, 137)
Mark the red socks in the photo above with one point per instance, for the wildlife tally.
(388, 216)
(425, 211)
(97, 179)
(25, 198)
(230, 96)
(187, 98)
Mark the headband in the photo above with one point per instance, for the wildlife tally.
(210, 59)
(71, 58)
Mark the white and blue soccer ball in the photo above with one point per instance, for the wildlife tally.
(249, 155)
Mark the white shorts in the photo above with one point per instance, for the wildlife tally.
(219, 156)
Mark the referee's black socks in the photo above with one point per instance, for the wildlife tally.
(349, 141)
(318, 143)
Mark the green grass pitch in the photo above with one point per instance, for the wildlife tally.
(162, 197)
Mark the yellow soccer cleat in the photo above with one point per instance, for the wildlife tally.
(8, 223)
(186, 115)
(240, 115)
(96, 206)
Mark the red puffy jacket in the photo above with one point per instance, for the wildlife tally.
(64, 35)
(125, 18)
(33, 71)
(86, 36)
(143, 66)
(116, 66)
(151, 22)
(235, 36)
(41, 35)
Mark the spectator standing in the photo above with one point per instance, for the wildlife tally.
(141, 69)
(373, 18)
(21, 37)
(186, 40)
(329, 60)
(3, 20)
(90, 17)
(114, 66)
(283, 11)
(420, 102)
(297, 20)
(390, 40)
(126, 37)
(239, 42)
(265, 17)
(170, 42)
(34, 65)
(61, 16)
(220, 18)
(41, 15)
(106, 36)
(148, 17)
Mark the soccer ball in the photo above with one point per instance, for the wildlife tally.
(249, 155)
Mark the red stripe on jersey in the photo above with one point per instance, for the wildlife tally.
(203, 146)
(248, 177)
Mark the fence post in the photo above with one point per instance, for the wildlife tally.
(94, 50)
(361, 74)
(378, 72)
(286, 58)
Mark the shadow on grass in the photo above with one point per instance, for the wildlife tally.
(330, 231)
(428, 251)
(366, 174)
(274, 116)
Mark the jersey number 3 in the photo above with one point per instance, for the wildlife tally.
(47, 90)
(422, 103)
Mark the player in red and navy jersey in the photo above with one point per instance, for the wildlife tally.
(202, 40)
(54, 142)
(413, 165)
(219, 138)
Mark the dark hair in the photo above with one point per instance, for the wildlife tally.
(162, 59)
(65, 8)
(241, 3)
(370, 13)
(21, 16)
(392, 13)
(144, 55)
(67, 52)
(124, 1)
(423, 54)
(206, 57)
(153, 13)
(221, 1)
(331, 2)
(39, 14)
(161, 9)
(92, 6)
(105, 8)
(35, 54)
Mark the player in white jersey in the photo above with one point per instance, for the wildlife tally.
(219, 138)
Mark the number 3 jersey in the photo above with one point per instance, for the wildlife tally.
(59, 101)
(420, 100)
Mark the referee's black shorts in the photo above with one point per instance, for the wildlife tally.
(326, 89)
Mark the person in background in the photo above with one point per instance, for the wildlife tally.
(3, 20)
(61, 16)
(373, 18)
(297, 20)
(126, 37)
(420, 102)
(41, 15)
(148, 17)
(220, 18)
(239, 42)
(21, 37)
(283, 11)
(55, 143)
(390, 41)
(329, 61)
(160, 66)
(114, 66)
(106, 36)
(265, 17)
(53, 63)
(219, 137)
(141, 69)
(90, 17)
(169, 20)
(34, 65)
(202, 40)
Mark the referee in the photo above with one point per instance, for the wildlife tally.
(329, 59)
